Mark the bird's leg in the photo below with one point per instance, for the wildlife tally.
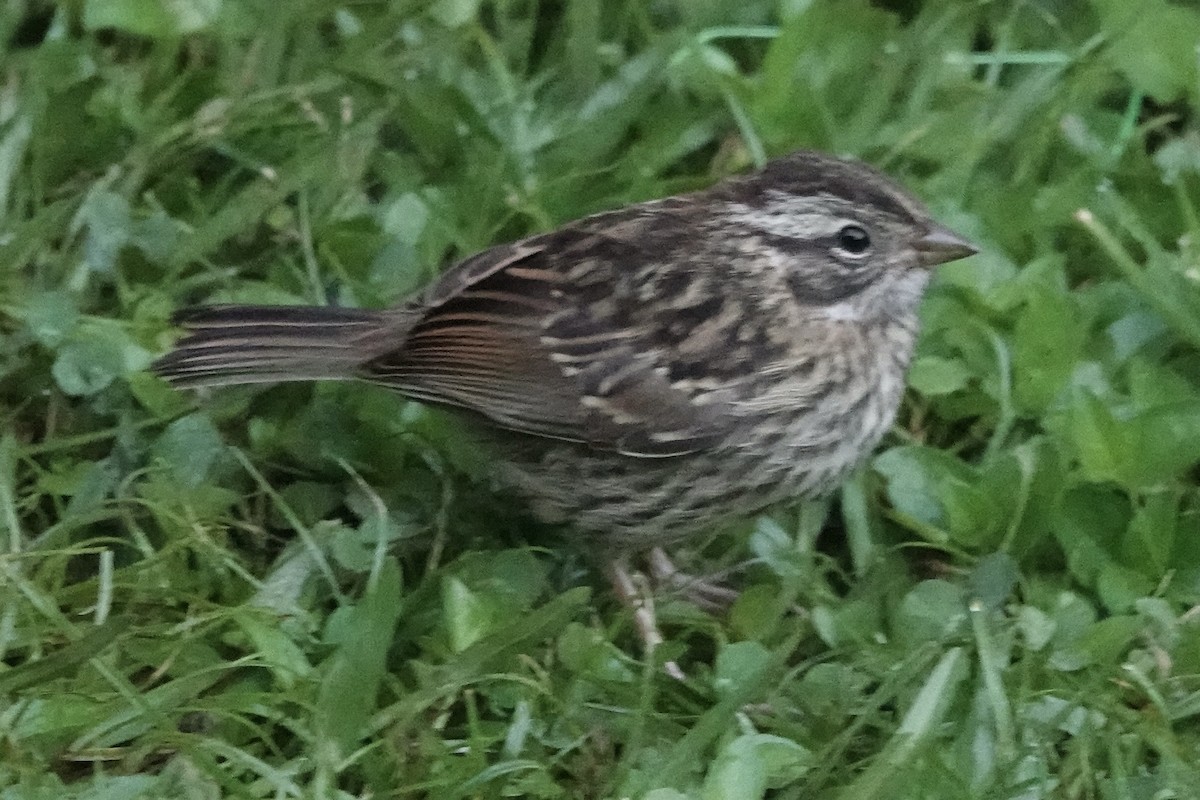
(705, 593)
(634, 594)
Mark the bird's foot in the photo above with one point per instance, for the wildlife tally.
(634, 593)
(707, 594)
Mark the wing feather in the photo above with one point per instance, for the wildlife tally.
(537, 337)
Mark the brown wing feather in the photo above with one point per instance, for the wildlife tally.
(532, 337)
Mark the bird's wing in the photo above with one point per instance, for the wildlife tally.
(565, 335)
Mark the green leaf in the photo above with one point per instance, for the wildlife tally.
(1120, 587)
(86, 368)
(97, 354)
(750, 764)
(274, 647)
(1089, 522)
(106, 218)
(54, 718)
(157, 396)
(1153, 43)
(515, 576)
(1103, 642)
(994, 579)
(353, 550)
(739, 664)
(1103, 442)
(1179, 156)
(362, 634)
(50, 317)
(921, 479)
(1149, 543)
(156, 235)
(96, 482)
(665, 794)
(932, 611)
(1047, 344)
(922, 719)
(1154, 385)
(63, 660)
(165, 496)
(130, 720)
(141, 17)
(756, 611)
(810, 72)
(974, 511)
(776, 547)
(831, 690)
(584, 650)
(1168, 439)
(844, 623)
(453, 13)
(934, 375)
(468, 616)
(1166, 284)
(1036, 627)
(310, 501)
(156, 19)
(190, 447)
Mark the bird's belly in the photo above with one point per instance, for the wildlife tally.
(640, 502)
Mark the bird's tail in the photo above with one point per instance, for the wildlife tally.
(266, 344)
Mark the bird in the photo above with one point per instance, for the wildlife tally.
(644, 373)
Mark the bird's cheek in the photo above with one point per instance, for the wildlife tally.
(830, 285)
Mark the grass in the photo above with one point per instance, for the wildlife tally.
(313, 591)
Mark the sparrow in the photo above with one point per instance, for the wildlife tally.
(647, 372)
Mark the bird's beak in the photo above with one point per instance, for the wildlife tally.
(940, 245)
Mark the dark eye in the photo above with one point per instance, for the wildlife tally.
(854, 240)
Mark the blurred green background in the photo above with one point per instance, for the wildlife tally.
(312, 591)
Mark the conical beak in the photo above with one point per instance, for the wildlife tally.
(940, 245)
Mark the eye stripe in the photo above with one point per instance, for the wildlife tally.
(793, 219)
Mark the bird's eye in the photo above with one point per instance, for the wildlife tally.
(854, 240)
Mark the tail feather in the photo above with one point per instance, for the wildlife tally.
(267, 344)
